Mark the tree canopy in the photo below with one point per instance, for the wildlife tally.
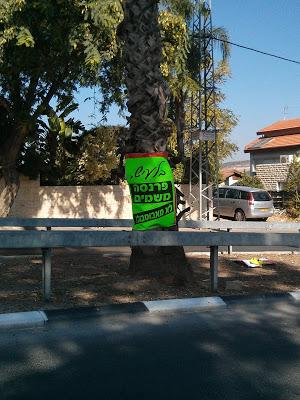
(292, 186)
(48, 50)
(250, 180)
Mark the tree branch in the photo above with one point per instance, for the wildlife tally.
(51, 92)
(46, 100)
(5, 104)
(30, 95)
(15, 91)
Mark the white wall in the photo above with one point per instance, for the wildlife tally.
(268, 157)
(110, 201)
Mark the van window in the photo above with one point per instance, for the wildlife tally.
(261, 196)
(222, 192)
(244, 195)
(232, 194)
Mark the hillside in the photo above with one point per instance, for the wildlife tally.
(240, 165)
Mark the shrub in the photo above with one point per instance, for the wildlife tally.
(249, 180)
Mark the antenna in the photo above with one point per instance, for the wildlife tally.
(203, 150)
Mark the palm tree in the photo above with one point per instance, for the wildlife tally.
(148, 132)
(148, 96)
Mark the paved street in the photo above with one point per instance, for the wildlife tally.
(243, 352)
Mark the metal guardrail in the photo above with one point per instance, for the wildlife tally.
(64, 222)
(119, 223)
(58, 239)
(46, 240)
(244, 225)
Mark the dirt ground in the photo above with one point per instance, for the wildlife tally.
(97, 279)
(282, 216)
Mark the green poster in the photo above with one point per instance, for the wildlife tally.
(151, 184)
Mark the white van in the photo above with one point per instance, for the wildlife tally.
(242, 202)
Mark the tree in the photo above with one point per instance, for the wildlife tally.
(250, 180)
(181, 66)
(52, 148)
(292, 186)
(47, 49)
(149, 130)
(98, 155)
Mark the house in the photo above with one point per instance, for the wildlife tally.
(273, 151)
(230, 176)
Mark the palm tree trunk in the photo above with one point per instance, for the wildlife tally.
(148, 132)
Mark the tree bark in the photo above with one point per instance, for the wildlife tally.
(9, 176)
(147, 103)
(9, 186)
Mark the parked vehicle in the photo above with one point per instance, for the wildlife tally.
(242, 202)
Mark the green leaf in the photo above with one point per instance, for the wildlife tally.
(25, 38)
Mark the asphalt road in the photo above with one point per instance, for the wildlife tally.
(243, 352)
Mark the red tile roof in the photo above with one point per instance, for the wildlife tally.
(281, 125)
(227, 172)
(273, 142)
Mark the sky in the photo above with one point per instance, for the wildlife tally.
(261, 89)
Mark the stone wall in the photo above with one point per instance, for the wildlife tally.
(111, 201)
(271, 174)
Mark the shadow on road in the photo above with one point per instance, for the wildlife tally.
(244, 353)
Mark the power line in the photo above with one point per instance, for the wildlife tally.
(257, 51)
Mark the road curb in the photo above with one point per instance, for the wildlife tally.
(42, 317)
(22, 319)
(189, 304)
(89, 312)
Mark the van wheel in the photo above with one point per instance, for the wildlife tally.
(239, 216)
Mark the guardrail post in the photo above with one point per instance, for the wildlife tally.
(214, 268)
(46, 274)
(229, 248)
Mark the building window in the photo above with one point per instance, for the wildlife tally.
(286, 159)
(280, 186)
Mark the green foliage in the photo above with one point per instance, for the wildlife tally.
(250, 180)
(178, 172)
(53, 147)
(47, 50)
(98, 155)
(78, 28)
(180, 68)
(175, 40)
(180, 7)
(293, 187)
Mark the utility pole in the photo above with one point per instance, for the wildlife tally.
(203, 149)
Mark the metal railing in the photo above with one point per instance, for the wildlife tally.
(50, 239)
(123, 223)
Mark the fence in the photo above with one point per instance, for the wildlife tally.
(280, 199)
(49, 239)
